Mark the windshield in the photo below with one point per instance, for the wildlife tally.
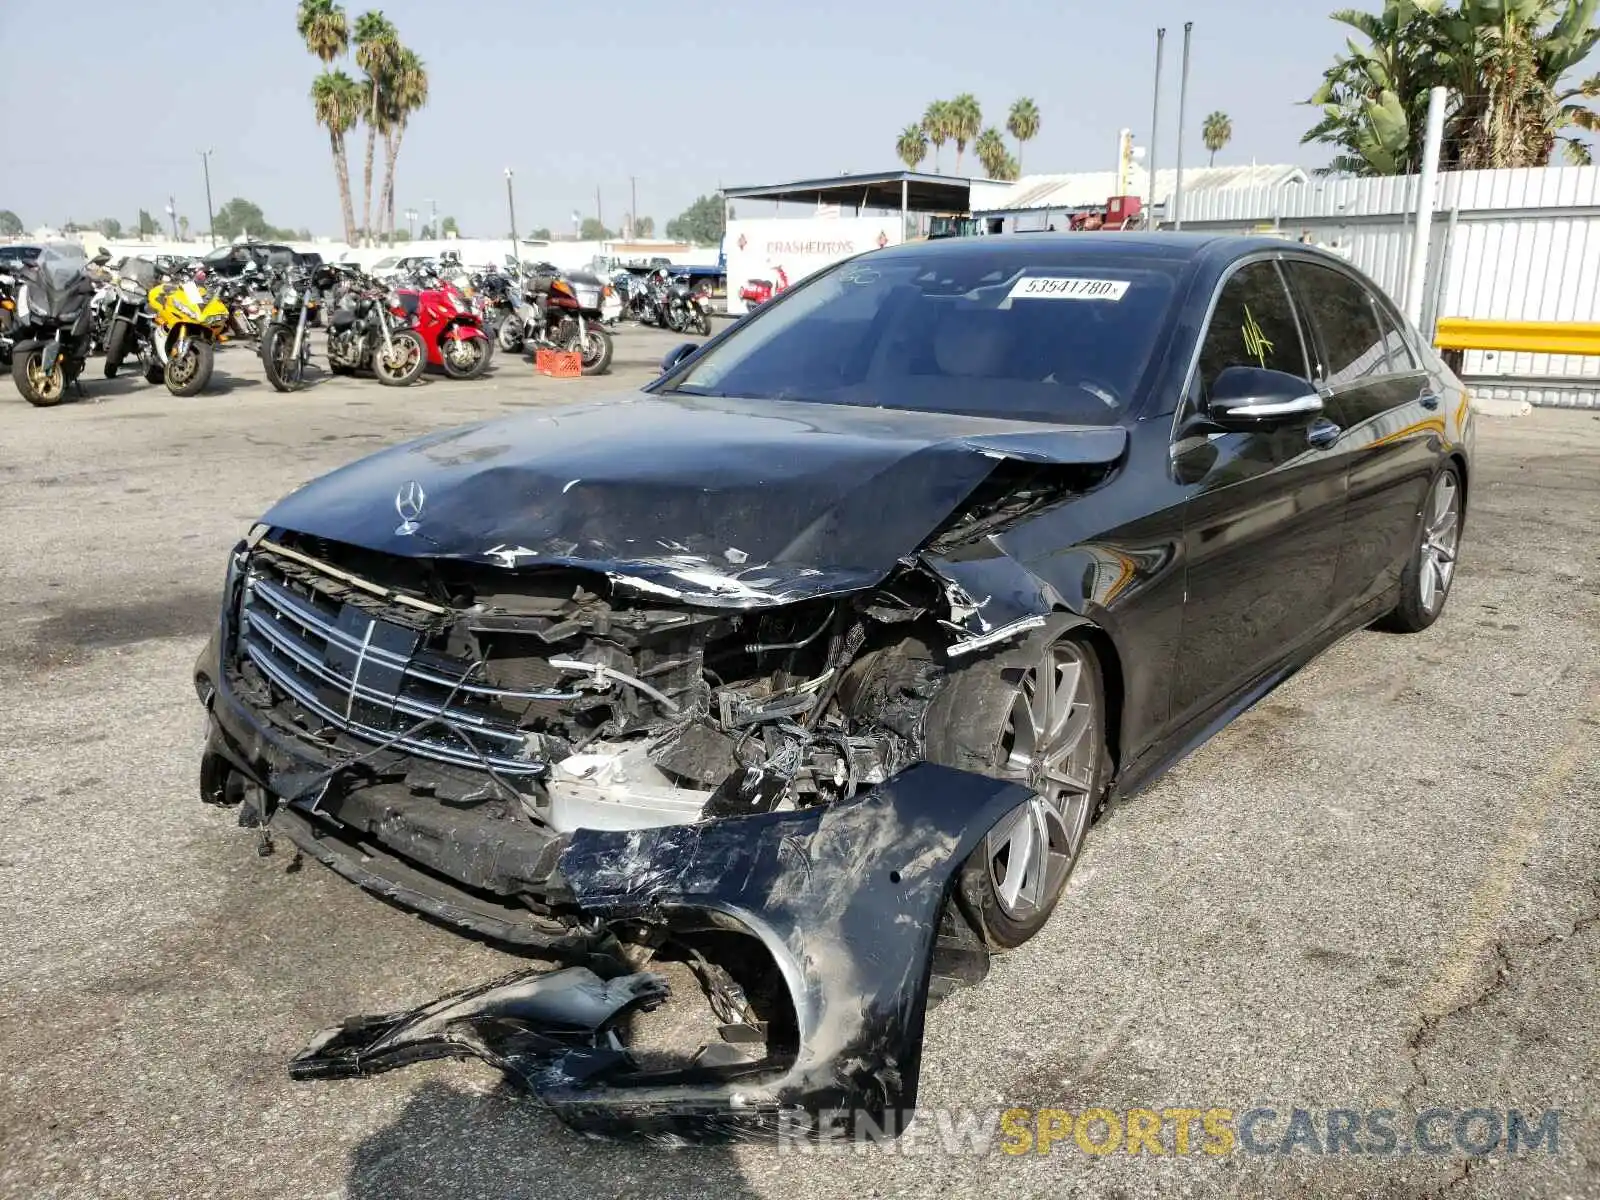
(1022, 332)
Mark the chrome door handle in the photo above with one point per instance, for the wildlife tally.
(1323, 432)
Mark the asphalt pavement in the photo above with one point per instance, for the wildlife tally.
(1377, 891)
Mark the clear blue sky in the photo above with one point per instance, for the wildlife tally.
(683, 95)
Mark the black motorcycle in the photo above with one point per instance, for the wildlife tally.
(50, 340)
(285, 340)
(130, 328)
(688, 310)
(367, 330)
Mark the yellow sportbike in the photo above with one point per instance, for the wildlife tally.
(190, 322)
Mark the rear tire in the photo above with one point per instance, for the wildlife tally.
(510, 335)
(1033, 715)
(1425, 582)
(188, 374)
(409, 360)
(37, 388)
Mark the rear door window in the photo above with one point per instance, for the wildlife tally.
(1353, 345)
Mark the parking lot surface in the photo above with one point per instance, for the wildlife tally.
(1376, 890)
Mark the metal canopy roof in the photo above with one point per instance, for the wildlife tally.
(923, 193)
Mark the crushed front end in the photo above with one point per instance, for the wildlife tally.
(625, 779)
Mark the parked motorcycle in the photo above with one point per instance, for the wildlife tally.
(565, 312)
(368, 329)
(688, 310)
(452, 332)
(50, 337)
(191, 321)
(757, 292)
(131, 328)
(285, 337)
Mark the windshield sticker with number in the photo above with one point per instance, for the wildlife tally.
(1045, 287)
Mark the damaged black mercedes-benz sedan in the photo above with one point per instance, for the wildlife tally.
(807, 668)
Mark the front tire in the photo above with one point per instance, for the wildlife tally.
(116, 347)
(1036, 716)
(187, 373)
(39, 388)
(464, 357)
(594, 348)
(404, 365)
(1425, 582)
(510, 335)
(283, 370)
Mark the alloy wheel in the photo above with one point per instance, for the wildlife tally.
(1052, 744)
(48, 384)
(1440, 535)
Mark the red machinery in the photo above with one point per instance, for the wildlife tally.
(1122, 212)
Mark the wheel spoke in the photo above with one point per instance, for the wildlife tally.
(1425, 581)
(1443, 525)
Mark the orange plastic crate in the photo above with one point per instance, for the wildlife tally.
(558, 364)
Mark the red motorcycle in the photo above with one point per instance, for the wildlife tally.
(757, 292)
(449, 327)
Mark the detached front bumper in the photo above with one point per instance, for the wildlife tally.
(850, 903)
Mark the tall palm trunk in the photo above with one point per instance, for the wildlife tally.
(391, 146)
(341, 173)
(372, 148)
(394, 157)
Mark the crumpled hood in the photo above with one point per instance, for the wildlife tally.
(723, 502)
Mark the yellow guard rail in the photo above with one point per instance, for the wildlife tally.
(1532, 337)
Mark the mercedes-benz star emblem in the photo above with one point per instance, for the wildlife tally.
(408, 502)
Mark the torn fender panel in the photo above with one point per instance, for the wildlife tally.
(846, 899)
(716, 501)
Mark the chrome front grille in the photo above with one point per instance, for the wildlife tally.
(344, 665)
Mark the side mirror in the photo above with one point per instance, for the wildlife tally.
(1253, 398)
(677, 354)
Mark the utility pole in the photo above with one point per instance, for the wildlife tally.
(172, 215)
(633, 206)
(599, 214)
(211, 218)
(1183, 96)
(511, 205)
(1155, 124)
(435, 206)
(411, 223)
(1418, 272)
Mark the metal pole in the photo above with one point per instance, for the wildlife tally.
(511, 207)
(599, 214)
(1425, 204)
(172, 213)
(1155, 118)
(1183, 97)
(633, 206)
(903, 207)
(211, 219)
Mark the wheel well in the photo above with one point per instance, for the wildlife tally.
(1111, 678)
(1460, 460)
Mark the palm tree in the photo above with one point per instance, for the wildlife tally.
(1023, 124)
(912, 147)
(408, 92)
(326, 32)
(337, 100)
(1504, 61)
(966, 118)
(1216, 131)
(936, 124)
(325, 29)
(377, 46)
(991, 150)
